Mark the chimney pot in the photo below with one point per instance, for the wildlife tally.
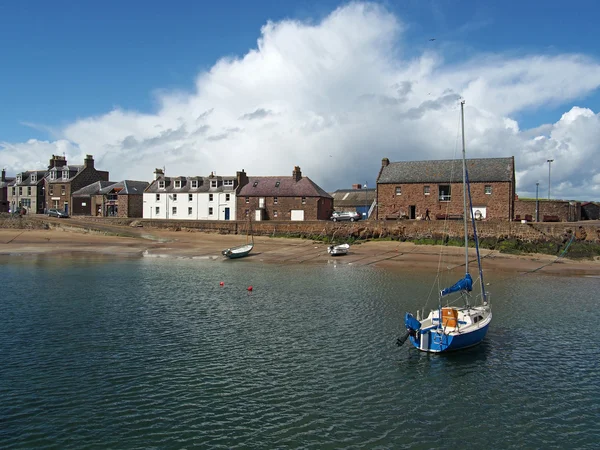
(385, 162)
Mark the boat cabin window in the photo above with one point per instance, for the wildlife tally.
(444, 193)
(477, 319)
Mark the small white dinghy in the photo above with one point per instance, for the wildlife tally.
(337, 250)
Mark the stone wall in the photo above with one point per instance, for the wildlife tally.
(549, 210)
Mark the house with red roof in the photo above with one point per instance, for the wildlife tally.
(283, 198)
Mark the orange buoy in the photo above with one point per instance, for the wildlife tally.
(221, 284)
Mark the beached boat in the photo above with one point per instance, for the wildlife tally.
(241, 250)
(337, 250)
(447, 327)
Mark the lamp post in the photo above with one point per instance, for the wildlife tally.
(549, 161)
(537, 202)
(366, 203)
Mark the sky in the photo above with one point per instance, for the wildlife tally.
(330, 86)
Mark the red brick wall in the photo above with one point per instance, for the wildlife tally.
(315, 208)
(498, 204)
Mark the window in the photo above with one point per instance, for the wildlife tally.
(227, 197)
(444, 193)
(194, 184)
(157, 210)
(189, 211)
(398, 190)
(246, 212)
(29, 190)
(274, 213)
(19, 178)
(228, 183)
(174, 210)
(34, 178)
(211, 197)
(53, 175)
(190, 198)
(14, 191)
(255, 184)
(62, 190)
(158, 197)
(177, 184)
(20, 190)
(65, 175)
(210, 211)
(304, 200)
(213, 183)
(277, 184)
(174, 197)
(247, 200)
(426, 190)
(274, 200)
(161, 184)
(26, 202)
(50, 190)
(488, 189)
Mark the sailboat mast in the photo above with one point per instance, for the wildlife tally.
(464, 162)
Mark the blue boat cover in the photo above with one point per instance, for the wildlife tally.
(411, 322)
(466, 284)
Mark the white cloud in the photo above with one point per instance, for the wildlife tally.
(335, 97)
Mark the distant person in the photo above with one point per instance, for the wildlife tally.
(427, 214)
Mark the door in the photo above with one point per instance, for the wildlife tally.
(226, 213)
(297, 214)
(66, 208)
(413, 212)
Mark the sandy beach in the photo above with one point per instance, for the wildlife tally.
(182, 244)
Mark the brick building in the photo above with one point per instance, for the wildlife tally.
(4, 182)
(62, 180)
(548, 210)
(408, 189)
(284, 198)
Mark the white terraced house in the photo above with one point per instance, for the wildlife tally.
(191, 198)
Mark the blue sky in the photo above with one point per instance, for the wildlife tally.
(63, 59)
(73, 73)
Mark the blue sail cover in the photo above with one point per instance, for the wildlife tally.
(466, 284)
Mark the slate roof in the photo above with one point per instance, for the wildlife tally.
(287, 187)
(7, 181)
(73, 171)
(26, 179)
(127, 187)
(448, 171)
(353, 197)
(186, 184)
(92, 189)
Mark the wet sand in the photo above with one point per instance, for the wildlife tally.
(158, 243)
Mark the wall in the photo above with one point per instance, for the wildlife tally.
(549, 210)
(200, 205)
(498, 204)
(315, 208)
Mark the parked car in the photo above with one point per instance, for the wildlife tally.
(57, 213)
(345, 215)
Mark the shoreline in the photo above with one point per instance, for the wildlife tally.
(395, 255)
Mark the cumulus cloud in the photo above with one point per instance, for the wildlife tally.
(334, 97)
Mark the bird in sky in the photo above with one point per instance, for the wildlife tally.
(432, 39)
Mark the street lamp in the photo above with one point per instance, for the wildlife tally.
(366, 203)
(549, 161)
(537, 202)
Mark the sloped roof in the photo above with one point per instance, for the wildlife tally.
(274, 186)
(127, 187)
(92, 189)
(7, 181)
(448, 171)
(353, 197)
(72, 169)
(186, 185)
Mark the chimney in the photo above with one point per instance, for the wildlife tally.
(356, 186)
(242, 178)
(297, 174)
(385, 162)
(57, 161)
(3, 174)
(158, 173)
(88, 162)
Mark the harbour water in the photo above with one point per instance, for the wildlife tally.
(154, 353)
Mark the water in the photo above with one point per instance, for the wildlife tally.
(156, 354)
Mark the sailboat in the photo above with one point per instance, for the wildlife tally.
(449, 328)
(241, 250)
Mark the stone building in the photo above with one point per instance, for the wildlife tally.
(26, 192)
(283, 198)
(410, 189)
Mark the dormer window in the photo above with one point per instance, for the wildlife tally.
(34, 178)
(161, 184)
(194, 184)
(53, 175)
(19, 178)
(177, 184)
(228, 183)
(213, 183)
(65, 174)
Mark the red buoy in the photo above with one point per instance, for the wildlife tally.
(221, 284)
(249, 288)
